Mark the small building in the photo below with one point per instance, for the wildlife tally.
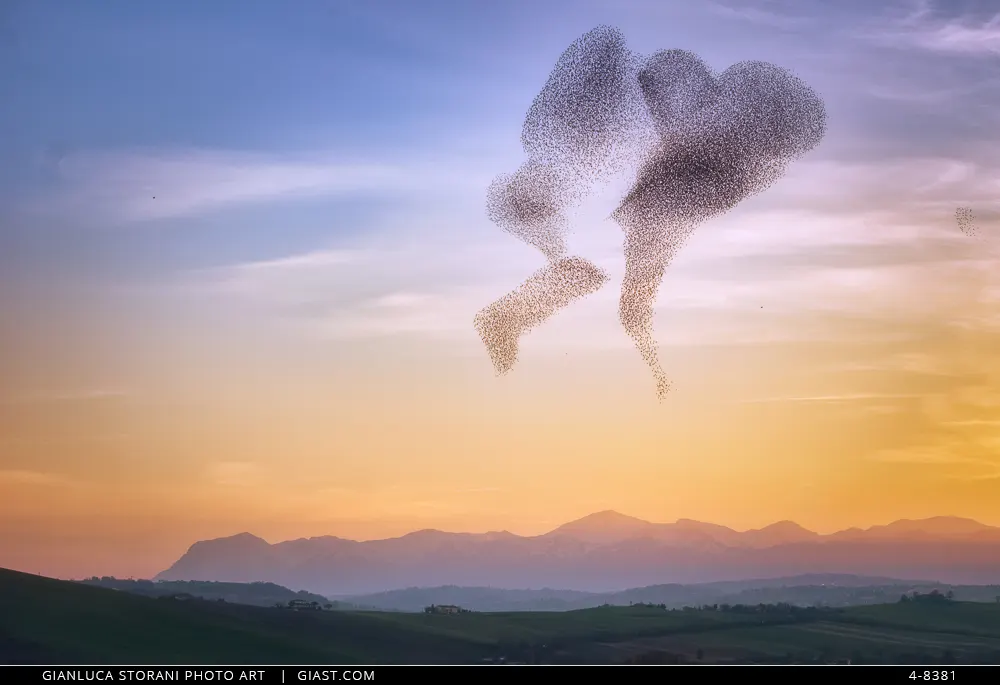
(304, 605)
(444, 609)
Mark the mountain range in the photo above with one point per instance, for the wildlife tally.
(601, 552)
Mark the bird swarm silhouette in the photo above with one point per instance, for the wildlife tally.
(966, 221)
(719, 139)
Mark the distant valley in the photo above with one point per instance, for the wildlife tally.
(802, 591)
(601, 553)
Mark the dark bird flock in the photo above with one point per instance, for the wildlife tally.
(719, 138)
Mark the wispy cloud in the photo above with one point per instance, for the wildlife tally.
(969, 468)
(389, 499)
(317, 259)
(995, 475)
(409, 313)
(824, 254)
(830, 398)
(285, 279)
(24, 477)
(924, 29)
(921, 363)
(65, 440)
(944, 454)
(894, 187)
(923, 93)
(128, 186)
(93, 395)
(772, 14)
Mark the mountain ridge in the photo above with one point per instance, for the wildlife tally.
(604, 551)
(970, 527)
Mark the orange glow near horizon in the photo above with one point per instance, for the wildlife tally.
(828, 434)
(282, 343)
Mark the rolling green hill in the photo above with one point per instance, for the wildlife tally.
(257, 594)
(50, 621)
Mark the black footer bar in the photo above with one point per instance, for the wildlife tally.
(524, 675)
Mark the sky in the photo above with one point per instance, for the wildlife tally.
(242, 244)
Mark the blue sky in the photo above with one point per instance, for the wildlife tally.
(267, 131)
(350, 82)
(296, 303)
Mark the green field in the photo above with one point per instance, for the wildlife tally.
(59, 622)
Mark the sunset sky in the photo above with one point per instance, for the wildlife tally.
(242, 244)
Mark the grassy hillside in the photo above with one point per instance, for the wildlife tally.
(50, 621)
(45, 621)
(257, 594)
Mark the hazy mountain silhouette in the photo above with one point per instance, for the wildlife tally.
(608, 527)
(601, 552)
(831, 590)
(604, 527)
